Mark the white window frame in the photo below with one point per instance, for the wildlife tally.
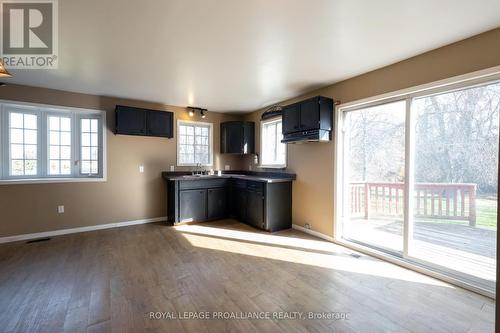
(271, 166)
(479, 78)
(43, 111)
(46, 161)
(210, 141)
(5, 130)
(78, 150)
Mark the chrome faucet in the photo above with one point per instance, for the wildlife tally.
(197, 169)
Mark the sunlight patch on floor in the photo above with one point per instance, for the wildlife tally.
(271, 247)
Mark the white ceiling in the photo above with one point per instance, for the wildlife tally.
(241, 55)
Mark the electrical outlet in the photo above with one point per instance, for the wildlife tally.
(307, 226)
(227, 167)
(172, 168)
(60, 209)
(141, 168)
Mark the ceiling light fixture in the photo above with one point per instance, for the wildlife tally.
(3, 71)
(192, 110)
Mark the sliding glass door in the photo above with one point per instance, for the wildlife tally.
(375, 164)
(443, 150)
(456, 170)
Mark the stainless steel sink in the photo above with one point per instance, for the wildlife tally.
(197, 176)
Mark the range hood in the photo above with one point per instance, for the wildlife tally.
(307, 136)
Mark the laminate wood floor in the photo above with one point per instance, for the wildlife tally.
(115, 280)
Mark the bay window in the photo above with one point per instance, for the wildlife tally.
(40, 143)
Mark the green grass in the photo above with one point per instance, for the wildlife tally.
(486, 212)
(486, 215)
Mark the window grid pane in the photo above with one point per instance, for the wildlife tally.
(194, 144)
(23, 137)
(89, 146)
(59, 145)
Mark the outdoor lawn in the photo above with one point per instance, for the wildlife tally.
(486, 212)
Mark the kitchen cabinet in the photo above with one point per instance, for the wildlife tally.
(310, 119)
(309, 114)
(261, 204)
(144, 122)
(255, 213)
(291, 118)
(217, 203)
(238, 199)
(160, 124)
(240, 204)
(130, 121)
(237, 137)
(193, 205)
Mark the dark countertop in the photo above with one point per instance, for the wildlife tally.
(266, 177)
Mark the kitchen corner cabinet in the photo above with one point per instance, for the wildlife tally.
(266, 206)
(216, 203)
(237, 137)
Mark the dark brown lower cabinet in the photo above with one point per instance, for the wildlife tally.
(266, 206)
(255, 209)
(217, 203)
(192, 205)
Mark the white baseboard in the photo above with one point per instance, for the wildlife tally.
(59, 232)
(312, 232)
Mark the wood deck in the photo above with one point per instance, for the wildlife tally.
(460, 247)
(110, 280)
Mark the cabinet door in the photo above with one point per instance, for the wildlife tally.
(248, 138)
(235, 138)
(240, 204)
(309, 114)
(255, 211)
(217, 203)
(160, 124)
(291, 118)
(193, 205)
(231, 138)
(130, 120)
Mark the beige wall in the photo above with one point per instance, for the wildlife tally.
(129, 195)
(313, 162)
(126, 195)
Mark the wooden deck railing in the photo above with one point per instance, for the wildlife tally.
(432, 200)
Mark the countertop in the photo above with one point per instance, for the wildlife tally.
(266, 177)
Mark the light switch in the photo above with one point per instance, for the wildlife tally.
(141, 168)
(172, 168)
(60, 209)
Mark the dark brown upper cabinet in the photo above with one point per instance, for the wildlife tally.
(237, 137)
(308, 120)
(145, 122)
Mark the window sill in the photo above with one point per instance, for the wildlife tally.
(194, 165)
(50, 180)
(272, 166)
